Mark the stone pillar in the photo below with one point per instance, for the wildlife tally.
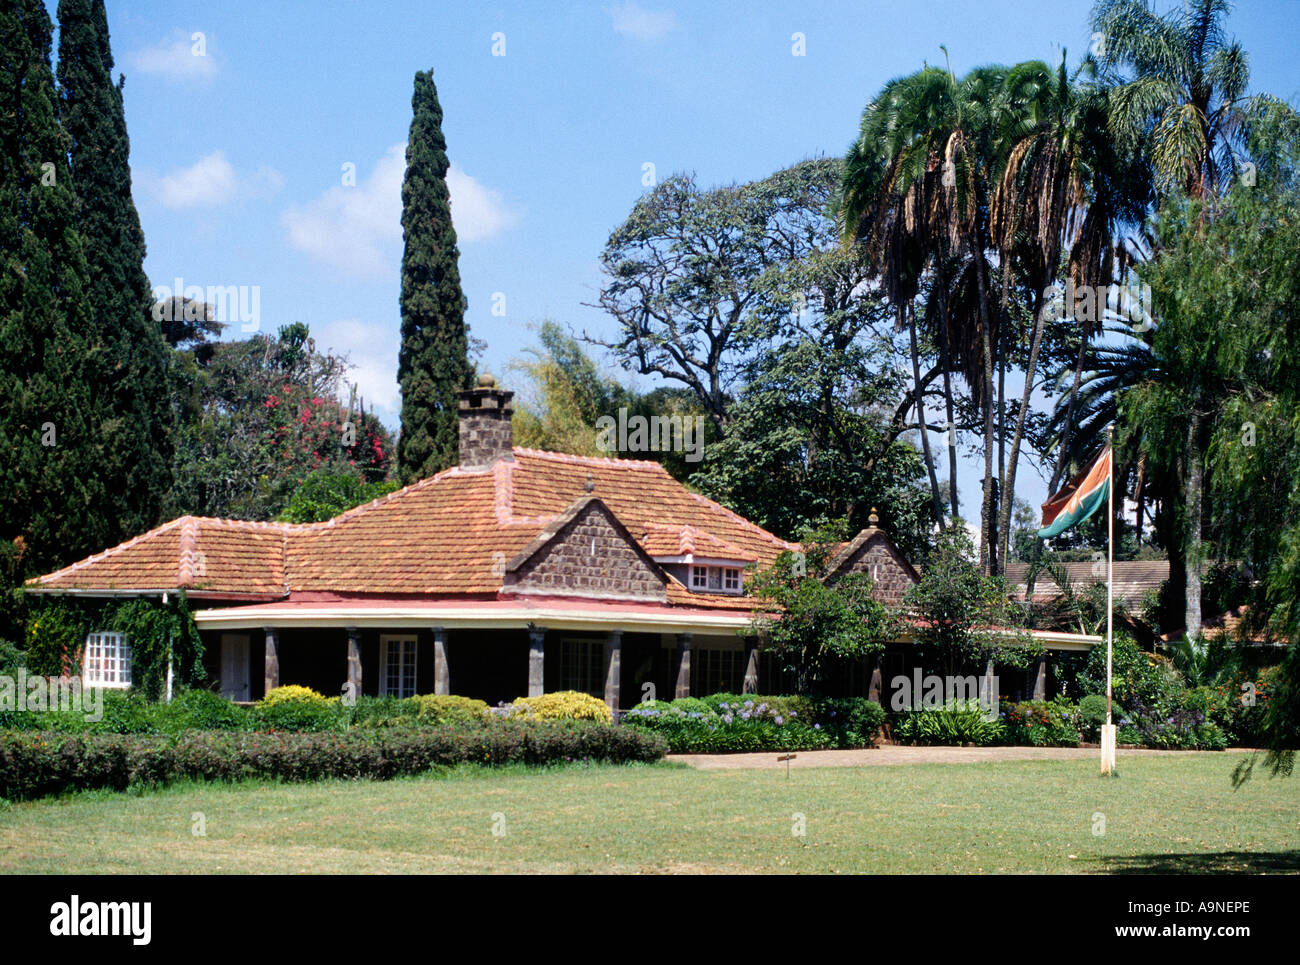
(988, 686)
(682, 679)
(613, 668)
(877, 679)
(536, 661)
(441, 675)
(354, 662)
(272, 660)
(1040, 678)
(750, 683)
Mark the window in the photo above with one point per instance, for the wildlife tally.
(107, 661)
(582, 666)
(397, 666)
(716, 579)
(717, 671)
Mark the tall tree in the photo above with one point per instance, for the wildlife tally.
(130, 386)
(433, 363)
(51, 496)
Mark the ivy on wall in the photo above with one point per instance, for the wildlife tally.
(58, 628)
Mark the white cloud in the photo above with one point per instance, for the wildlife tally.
(477, 211)
(359, 229)
(181, 55)
(209, 181)
(372, 349)
(641, 24)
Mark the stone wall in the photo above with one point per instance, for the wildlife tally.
(879, 560)
(589, 556)
(486, 433)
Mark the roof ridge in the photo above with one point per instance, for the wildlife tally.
(103, 554)
(592, 460)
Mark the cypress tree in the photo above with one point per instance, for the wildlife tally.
(433, 363)
(51, 495)
(135, 420)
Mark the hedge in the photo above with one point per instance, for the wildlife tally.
(37, 764)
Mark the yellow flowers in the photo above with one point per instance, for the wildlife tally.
(564, 705)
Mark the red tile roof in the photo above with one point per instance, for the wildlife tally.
(452, 533)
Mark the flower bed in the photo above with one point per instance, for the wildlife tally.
(728, 723)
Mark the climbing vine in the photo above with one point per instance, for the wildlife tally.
(58, 628)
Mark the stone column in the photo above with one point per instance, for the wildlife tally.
(441, 675)
(613, 668)
(988, 686)
(536, 660)
(272, 660)
(877, 679)
(1040, 678)
(682, 679)
(354, 662)
(750, 683)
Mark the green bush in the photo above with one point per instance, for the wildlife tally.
(728, 723)
(198, 710)
(42, 763)
(957, 722)
(1092, 714)
(295, 714)
(448, 708)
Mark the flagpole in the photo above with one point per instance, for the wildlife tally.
(1108, 733)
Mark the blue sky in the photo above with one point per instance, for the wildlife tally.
(239, 155)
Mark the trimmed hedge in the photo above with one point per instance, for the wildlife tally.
(40, 764)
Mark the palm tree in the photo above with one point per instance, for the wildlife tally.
(1062, 194)
(915, 193)
(1177, 90)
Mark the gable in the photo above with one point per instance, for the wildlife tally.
(586, 552)
(873, 554)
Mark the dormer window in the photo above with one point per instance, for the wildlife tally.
(716, 579)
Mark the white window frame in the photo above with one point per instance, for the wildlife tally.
(406, 644)
(717, 579)
(106, 660)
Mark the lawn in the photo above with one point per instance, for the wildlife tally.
(1175, 813)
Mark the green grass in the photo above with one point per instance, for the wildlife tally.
(1162, 814)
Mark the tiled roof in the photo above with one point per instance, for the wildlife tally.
(449, 534)
(192, 552)
(1133, 578)
(660, 540)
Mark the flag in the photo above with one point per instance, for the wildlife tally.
(1079, 498)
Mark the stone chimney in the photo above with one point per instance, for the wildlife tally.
(486, 434)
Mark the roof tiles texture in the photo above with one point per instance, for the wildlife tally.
(452, 533)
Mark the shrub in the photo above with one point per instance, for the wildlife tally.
(291, 692)
(198, 710)
(727, 723)
(448, 708)
(563, 705)
(957, 722)
(300, 714)
(39, 764)
(1040, 723)
(1092, 714)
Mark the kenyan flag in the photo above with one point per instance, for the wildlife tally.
(1080, 498)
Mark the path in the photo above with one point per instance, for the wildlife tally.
(903, 754)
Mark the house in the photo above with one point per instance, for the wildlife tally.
(516, 572)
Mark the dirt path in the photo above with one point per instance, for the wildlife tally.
(901, 754)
